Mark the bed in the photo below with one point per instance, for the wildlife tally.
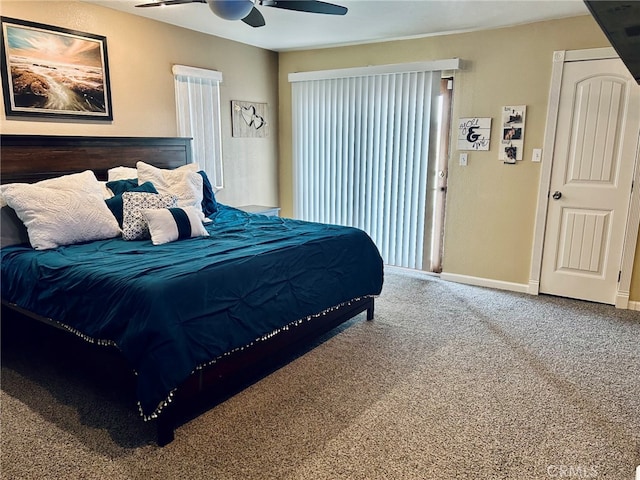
(190, 313)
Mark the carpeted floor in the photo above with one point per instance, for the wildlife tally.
(447, 382)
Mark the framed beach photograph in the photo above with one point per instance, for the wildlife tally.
(54, 72)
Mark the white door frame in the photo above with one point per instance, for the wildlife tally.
(633, 218)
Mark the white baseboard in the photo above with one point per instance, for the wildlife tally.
(531, 288)
(485, 282)
(633, 306)
(409, 271)
(622, 300)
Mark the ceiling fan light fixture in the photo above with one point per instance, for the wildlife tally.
(231, 9)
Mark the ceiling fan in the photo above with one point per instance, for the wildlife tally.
(246, 10)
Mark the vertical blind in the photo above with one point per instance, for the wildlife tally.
(361, 149)
(198, 116)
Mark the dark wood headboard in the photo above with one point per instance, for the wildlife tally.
(30, 158)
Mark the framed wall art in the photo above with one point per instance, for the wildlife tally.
(474, 133)
(512, 133)
(249, 119)
(54, 72)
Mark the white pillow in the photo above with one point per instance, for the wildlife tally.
(134, 226)
(80, 182)
(171, 224)
(60, 217)
(121, 173)
(184, 182)
(106, 193)
(84, 182)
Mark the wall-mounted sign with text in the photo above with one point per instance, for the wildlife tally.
(474, 133)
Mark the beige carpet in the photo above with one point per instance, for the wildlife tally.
(448, 382)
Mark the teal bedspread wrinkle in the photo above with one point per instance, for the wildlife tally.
(173, 307)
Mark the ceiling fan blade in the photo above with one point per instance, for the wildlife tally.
(162, 3)
(254, 19)
(311, 6)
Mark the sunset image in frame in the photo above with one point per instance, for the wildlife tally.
(50, 71)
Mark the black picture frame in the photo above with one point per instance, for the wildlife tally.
(54, 72)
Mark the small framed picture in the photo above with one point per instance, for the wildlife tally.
(511, 133)
(510, 154)
(54, 72)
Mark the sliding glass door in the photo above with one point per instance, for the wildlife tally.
(365, 155)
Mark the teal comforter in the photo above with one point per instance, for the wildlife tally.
(172, 308)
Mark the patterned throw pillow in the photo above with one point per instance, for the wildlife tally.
(115, 203)
(171, 224)
(134, 226)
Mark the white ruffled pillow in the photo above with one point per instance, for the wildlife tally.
(60, 217)
(134, 226)
(184, 182)
(171, 224)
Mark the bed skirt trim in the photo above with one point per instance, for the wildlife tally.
(165, 403)
(61, 326)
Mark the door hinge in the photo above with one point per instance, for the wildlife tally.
(619, 275)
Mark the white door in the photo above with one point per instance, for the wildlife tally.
(593, 163)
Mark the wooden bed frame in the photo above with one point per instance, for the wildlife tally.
(30, 158)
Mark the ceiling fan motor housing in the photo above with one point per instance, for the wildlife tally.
(231, 9)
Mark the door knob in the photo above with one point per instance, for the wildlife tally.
(557, 195)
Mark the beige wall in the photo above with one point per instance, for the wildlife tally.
(141, 53)
(490, 206)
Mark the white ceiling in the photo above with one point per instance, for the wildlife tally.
(366, 20)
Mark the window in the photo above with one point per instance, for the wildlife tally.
(198, 115)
